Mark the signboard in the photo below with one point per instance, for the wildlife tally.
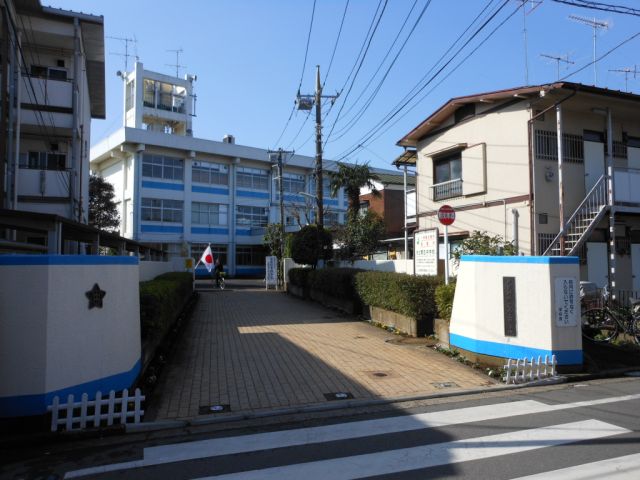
(425, 250)
(271, 277)
(566, 293)
(446, 215)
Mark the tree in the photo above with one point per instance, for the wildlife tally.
(481, 243)
(103, 211)
(360, 236)
(352, 178)
(311, 244)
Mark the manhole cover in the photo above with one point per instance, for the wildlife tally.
(338, 395)
(208, 409)
(635, 373)
(444, 384)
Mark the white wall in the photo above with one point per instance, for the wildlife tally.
(477, 320)
(398, 266)
(51, 342)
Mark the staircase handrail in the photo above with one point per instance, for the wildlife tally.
(567, 224)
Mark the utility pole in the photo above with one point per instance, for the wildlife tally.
(558, 59)
(305, 102)
(279, 164)
(595, 24)
(626, 71)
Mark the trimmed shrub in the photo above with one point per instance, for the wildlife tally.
(413, 296)
(161, 301)
(299, 277)
(311, 244)
(444, 300)
(337, 282)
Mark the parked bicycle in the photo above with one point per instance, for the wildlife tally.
(604, 322)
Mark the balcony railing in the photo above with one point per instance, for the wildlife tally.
(625, 183)
(450, 189)
(44, 183)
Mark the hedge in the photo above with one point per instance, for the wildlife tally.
(337, 282)
(413, 296)
(444, 299)
(299, 277)
(161, 301)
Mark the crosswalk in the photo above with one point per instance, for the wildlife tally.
(398, 444)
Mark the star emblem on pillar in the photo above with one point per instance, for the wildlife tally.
(95, 296)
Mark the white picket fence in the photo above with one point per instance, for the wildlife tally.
(91, 413)
(528, 370)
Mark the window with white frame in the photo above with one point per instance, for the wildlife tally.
(210, 173)
(252, 216)
(219, 252)
(255, 178)
(208, 214)
(292, 183)
(253, 255)
(161, 210)
(161, 166)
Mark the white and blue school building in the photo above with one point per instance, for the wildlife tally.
(179, 193)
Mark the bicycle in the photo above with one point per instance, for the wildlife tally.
(220, 280)
(604, 324)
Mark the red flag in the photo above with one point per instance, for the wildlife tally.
(207, 258)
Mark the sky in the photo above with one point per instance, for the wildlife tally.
(252, 56)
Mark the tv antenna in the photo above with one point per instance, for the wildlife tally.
(126, 53)
(558, 59)
(533, 4)
(595, 24)
(627, 71)
(177, 64)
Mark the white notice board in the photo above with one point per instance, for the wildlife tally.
(566, 293)
(271, 277)
(425, 252)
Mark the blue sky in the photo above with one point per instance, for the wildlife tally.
(249, 55)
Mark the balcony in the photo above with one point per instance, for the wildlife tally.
(444, 190)
(43, 183)
(47, 91)
(625, 184)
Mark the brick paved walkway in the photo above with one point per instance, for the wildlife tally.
(257, 349)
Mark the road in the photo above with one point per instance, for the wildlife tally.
(582, 430)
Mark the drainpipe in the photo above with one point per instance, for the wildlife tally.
(560, 183)
(16, 159)
(514, 228)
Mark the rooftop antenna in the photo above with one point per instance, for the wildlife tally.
(177, 64)
(627, 71)
(595, 24)
(126, 53)
(558, 59)
(533, 4)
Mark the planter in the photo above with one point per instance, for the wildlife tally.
(411, 326)
(351, 307)
(441, 331)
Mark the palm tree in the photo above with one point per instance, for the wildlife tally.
(352, 178)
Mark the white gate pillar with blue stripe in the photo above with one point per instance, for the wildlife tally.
(517, 307)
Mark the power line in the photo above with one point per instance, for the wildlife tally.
(606, 7)
(304, 65)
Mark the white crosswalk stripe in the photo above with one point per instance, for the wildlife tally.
(164, 454)
(406, 459)
(619, 468)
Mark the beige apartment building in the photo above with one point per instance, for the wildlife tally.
(496, 159)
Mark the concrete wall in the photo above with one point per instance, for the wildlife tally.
(398, 266)
(51, 342)
(478, 317)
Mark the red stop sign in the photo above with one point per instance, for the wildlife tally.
(446, 215)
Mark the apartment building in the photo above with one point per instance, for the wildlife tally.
(53, 84)
(180, 193)
(495, 157)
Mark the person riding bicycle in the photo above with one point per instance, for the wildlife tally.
(218, 271)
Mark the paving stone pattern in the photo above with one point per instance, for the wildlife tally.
(257, 349)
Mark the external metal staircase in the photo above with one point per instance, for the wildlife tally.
(583, 221)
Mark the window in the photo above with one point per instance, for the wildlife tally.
(544, 241)
(128, 101)
(208, 214)
(219, 252)
(160, 166)
(161, 210)
(448, 168)
(252, 178)
(543, 218)
(43, 160)
(48, 72)
(572, 146)
(364, 206)
(149, 98)
(252, 216)
(250, 255)
(292, 183)
(210, 173)
(331, 218)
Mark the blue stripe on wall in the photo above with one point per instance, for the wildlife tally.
(250, 270)
(160, 229)
(209, 231)
(246, 193)
(24, 405)
(213, 190)
(504, 350)
(162, 185)
(521, 259)
(330, 202)
(67, 260)
(243, 233)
